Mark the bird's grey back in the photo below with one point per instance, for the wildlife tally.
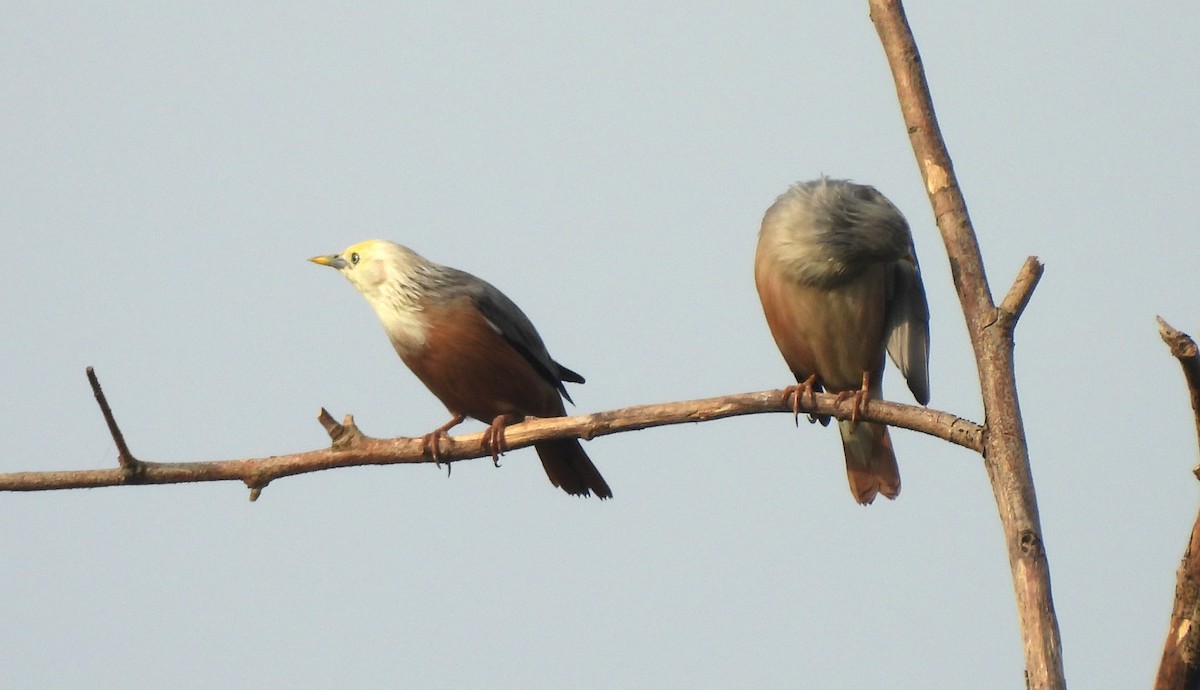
(508, 320)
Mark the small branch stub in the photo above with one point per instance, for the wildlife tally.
(1020, 293)
(345, 435)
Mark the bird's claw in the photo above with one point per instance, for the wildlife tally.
(796, 394)
(494, 441)
(431, 443)
(858, 399)
(431, 447)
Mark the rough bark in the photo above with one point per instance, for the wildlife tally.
(1179, 668)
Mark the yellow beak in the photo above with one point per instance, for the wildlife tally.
(333, 260)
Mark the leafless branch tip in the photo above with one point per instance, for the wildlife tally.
(124, 457)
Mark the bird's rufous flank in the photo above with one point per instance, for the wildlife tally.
(837, 275)
(473, 348)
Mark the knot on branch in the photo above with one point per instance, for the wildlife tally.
(1181, 344)
(1030, 543)
(133, 471)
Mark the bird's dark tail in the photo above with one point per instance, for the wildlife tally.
(570, 469)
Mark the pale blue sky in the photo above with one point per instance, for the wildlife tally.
(166, 170)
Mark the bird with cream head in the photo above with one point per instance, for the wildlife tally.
(473, 348)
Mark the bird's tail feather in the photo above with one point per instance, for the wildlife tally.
(570, 469)
(870, 462)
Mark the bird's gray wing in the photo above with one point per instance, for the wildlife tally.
(908, 325)
(516, 328)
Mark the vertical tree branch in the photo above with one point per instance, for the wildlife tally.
(1180, 664)
(1006, 455)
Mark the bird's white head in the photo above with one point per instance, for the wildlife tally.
(374, 265)
(391, 277)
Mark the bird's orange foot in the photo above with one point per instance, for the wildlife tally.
(858, 397)
(431, 443)
(796, 393)
(493, 437)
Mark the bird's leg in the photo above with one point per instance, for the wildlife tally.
(431, 442)
(859, 398)
(493, 436)
(797, 392)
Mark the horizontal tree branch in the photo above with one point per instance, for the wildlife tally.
(351, 447)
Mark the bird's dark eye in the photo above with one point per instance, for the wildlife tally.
(354, 258)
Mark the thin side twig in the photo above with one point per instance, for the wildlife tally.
(124, 457)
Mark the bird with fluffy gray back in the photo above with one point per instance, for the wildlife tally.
(837, 275)
(473, 348)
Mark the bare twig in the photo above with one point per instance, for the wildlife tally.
(124, 457)
(1006, 455)
(350, 447)
(1179, 668)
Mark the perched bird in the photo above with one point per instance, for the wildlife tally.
(837, 275)
(472, 348)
